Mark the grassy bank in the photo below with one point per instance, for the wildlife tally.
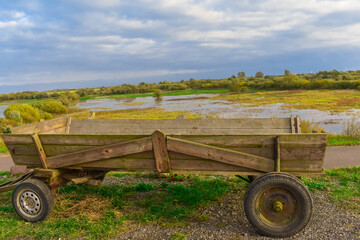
(324, 100)
(340, 140)
(170, 93)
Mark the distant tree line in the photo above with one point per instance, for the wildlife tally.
(240, 83)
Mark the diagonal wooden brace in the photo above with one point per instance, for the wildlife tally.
(39, 149)
(220, 154)
(100, 153)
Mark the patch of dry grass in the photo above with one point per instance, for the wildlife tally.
(147, 113)
(324, 100)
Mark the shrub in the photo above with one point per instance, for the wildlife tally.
(15, 115)
(158, 93)
(352, 128)
(51, 106)
(311, 127)
(28, 113)
(46, 115)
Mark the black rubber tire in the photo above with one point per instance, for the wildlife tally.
(295, 199)
(40, 201)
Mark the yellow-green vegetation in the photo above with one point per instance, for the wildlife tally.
(103, 212)
(3, 148)
(341, 140)
(325, 100)
(342, 184)
(147, 113)
(22, 113)
(51, 106)
(133, 103)
(311, 127)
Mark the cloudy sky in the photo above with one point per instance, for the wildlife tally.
(81, 43)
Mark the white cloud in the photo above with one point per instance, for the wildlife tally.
(8, 24)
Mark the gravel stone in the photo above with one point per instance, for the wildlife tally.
(227, 220)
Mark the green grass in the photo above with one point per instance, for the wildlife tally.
(104, 212)
(342, 184)
(3, 148)
(340, 140)
(171, 93)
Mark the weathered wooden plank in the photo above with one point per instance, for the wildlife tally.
(220, 154)
(160, 152)
(68, 125)
(123, 163)
(87, 140)
(99, 153)
(46, 173)
(292, 124)
(28, 160)
(277, 154)
(154, 124)
(39, 149)
(41, 127)
(298, 124)
(17, 138)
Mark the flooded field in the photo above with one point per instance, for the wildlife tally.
(206, 106)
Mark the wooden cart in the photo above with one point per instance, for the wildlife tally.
(272, 151)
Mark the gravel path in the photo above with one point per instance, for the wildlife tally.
(227, 221)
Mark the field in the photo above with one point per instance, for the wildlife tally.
(169, 201)
(324, 100)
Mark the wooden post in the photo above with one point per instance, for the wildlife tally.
(292, 124)
(39, 149)
(277, 154)
(160, 152)
(68, 123)
(298, 124)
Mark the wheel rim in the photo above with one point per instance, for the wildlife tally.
(278, 206)
(29, 203)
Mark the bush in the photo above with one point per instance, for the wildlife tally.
(15, 115)
(352, 128)
(51, 106)
(158, 93)
(28, 113)
(46, 115)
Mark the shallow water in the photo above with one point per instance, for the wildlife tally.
(200, 104)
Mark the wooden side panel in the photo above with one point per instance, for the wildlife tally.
(299, 152)
(51, 126)
(181, 126)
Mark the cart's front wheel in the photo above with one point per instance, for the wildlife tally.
(278, 205)
(32, 200)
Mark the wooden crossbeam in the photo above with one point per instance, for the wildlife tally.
(220, 154)
(100, 153)
(160, 152)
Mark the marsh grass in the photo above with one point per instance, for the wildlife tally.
(147, 113)
(324, 100)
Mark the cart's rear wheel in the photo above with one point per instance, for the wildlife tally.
(278, 205)
(32, 200)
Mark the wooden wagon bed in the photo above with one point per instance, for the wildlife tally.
(211, 146)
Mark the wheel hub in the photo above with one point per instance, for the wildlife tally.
(30, 203)
(278, 206)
